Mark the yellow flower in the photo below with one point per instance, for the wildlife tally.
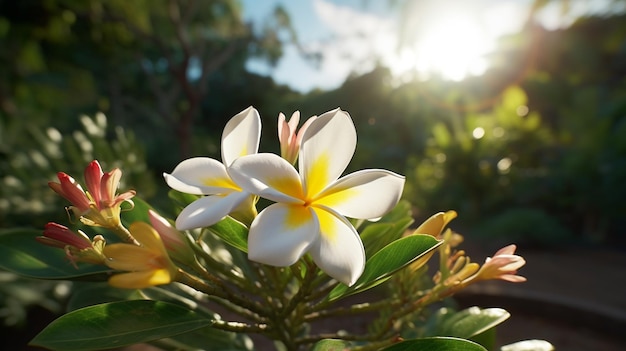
(148, 264)
(461, 269)
(176, 243)
(434, 225)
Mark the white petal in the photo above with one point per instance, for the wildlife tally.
(339, 251)
(269, 176)
(294, 121)
(507, 250)
(367, 194)
(327, 147)
(281, 234)
(200, 176)
(209, 210)
(287, 129)
(283, 129)
(241, 135)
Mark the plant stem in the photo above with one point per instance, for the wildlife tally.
(222, 292)
(358, 308)
(303, 291)
(124, 234)
(239, 327)
(237, 280)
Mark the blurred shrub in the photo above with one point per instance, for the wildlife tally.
(524, 226)
(478, 162)
(18, 294)
(26, 199)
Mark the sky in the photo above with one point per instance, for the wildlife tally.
(451, 38)
(320, 25)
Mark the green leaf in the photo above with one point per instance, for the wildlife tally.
(387, 261)
(84, 295)
(90, 294)
(529, 345)
(471, 321)
(402, 211)
(179, 295)
(138, 213)
(208, 339)
(20, 253)
(331, 345)
(377, 235)
(232, 232)
(182, 199)
(118, 324)
(486, 338)
(436, 344)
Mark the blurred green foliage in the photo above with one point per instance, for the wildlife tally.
(26, 199)
(524, 226)
(18, 294)
(539, 135)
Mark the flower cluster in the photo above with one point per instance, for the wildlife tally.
(144, 254)
(457, 271)
(309, 214)
(302, 241)
(311, 203)
(99, 205)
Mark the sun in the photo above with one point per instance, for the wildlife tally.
(454, 48)
(451, 45)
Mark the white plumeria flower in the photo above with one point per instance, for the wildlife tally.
(308, 215)
(206, 176)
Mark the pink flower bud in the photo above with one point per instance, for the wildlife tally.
(60, 236)
(503, 265)
(289, 139)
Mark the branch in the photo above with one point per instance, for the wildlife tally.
(211, 65)
(239, 327)
(357, 308)
(255, 309)
(138, 32)
(164, 99)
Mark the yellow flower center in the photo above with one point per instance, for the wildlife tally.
(317, 176)
(221, 183)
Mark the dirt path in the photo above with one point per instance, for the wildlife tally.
(574, 298)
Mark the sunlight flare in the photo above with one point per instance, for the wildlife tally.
(452, 42)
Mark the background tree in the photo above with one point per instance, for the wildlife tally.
(148, 65)
(173, 71)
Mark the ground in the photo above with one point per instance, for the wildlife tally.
(575, 298)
